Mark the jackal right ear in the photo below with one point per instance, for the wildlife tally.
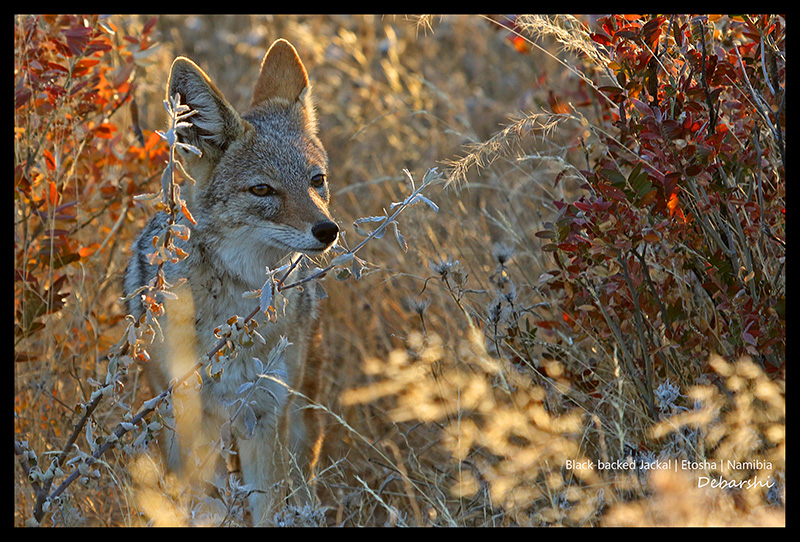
(216, 123)
(282, 74)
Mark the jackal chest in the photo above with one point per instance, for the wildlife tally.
(255, 362)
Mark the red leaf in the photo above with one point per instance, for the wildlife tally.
(547, 324)
(98, 45)
(558, 177)
(611, 192)
(105, 131)
(648, 198)
(149, 25)
(602, 39)
(57, 67)
(21, 96)
(77, 38)
(568, 247)
(652, 30)
(611, 91)
(626, 34)
(601, 205)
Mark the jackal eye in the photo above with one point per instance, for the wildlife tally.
(262, 190)
(318, 180)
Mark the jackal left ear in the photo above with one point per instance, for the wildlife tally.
(283, 77)
(215, 123)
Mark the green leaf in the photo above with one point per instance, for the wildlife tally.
(613, 176)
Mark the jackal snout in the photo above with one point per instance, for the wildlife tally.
(325, 231)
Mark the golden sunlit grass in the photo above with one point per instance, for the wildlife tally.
(436, 413)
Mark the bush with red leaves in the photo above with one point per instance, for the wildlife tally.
(677, 249)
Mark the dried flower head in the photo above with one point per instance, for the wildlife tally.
(443, 266)
(502, 252)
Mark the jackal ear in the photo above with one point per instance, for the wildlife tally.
(282, 75)
(215, 123)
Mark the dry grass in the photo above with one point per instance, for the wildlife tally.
(433, 416)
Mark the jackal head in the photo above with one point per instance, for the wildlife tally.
(261, 188)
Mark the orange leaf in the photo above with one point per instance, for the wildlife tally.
(105, 131)
(88, 250)
(87, 62)
(521, 44)
(49, 160)
(53, 195)
(187, 214)
(152, 141)
(672, 203)
(556, 105)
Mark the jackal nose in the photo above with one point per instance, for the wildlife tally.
(325, 232)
